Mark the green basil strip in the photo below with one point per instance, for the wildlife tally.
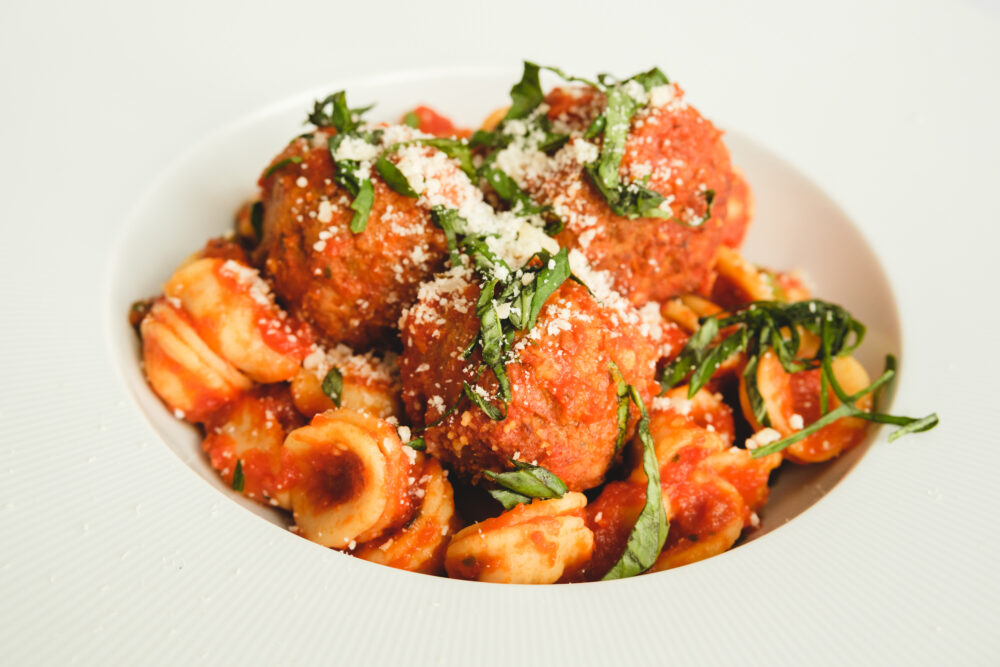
(621, 392)
(294, 159)
(709, 200)
(732, 344)
(773, 325)
(393, 177)
(491, 411)
(915, 426)
(525, 483)
(257, 219)
(526, 94)
(333, 385)
(651, 79)
(339, 115)
(650, 530)
(554, 273)
(411, 119)
(757, 405)
(618, 116)
(417, 443)
(448, 219)
(362, 207)
(239, 480)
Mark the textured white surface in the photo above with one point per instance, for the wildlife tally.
(113, 552)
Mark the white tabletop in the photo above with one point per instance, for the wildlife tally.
(891, 107)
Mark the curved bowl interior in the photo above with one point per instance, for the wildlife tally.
(796, 226)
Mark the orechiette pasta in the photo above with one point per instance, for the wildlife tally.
(430, 347)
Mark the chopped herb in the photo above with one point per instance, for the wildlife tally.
(651, 79)
(526, 94)
(334, 112)
(771, 325)
(448, 219)
(333, 385)
(418, 444)
(294, 159)
(411, 119)
(348, 173)
(520, 202)
(709, 200)
(650, 530)
(524, 301)
(484, 139)
(393, 177)
(491, 411)
(525, 483)
(257, 219)
(239, 480)
(621, 391)
(362, 207)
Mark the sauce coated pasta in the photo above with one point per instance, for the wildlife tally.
(530, 353)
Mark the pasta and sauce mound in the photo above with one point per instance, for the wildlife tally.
(532, 353)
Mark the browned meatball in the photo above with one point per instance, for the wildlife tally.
(351, 287)
(682, 156)
(563, 412)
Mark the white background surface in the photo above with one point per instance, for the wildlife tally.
(892, 108)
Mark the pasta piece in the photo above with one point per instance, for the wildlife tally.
(234, 313)
(419, 546)
(792, 401)
(349, 478)
(739, 282)
(706, 512)
(490, 122)
(250, 432)
(368, 384)
(529, 544)
(184, 372)
(705, 409)
(749, 476)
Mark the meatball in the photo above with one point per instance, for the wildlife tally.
(563, 409)
(351, 287)
(678, 154)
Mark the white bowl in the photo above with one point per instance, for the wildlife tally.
(796, 226)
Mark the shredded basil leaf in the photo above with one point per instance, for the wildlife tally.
(491, 411)
(773, 325)
(526, 94)
(448, 220)
(362, 207)
(333, 385)
(239, 480)
(393, 177)
(411, 119)
(650, 530)
(555, 270)
(418, 444)
(484, 139)
(651, 79)
(621, 391)
(525, 483)
(334, 112)
(257, 219)
(294, 159)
